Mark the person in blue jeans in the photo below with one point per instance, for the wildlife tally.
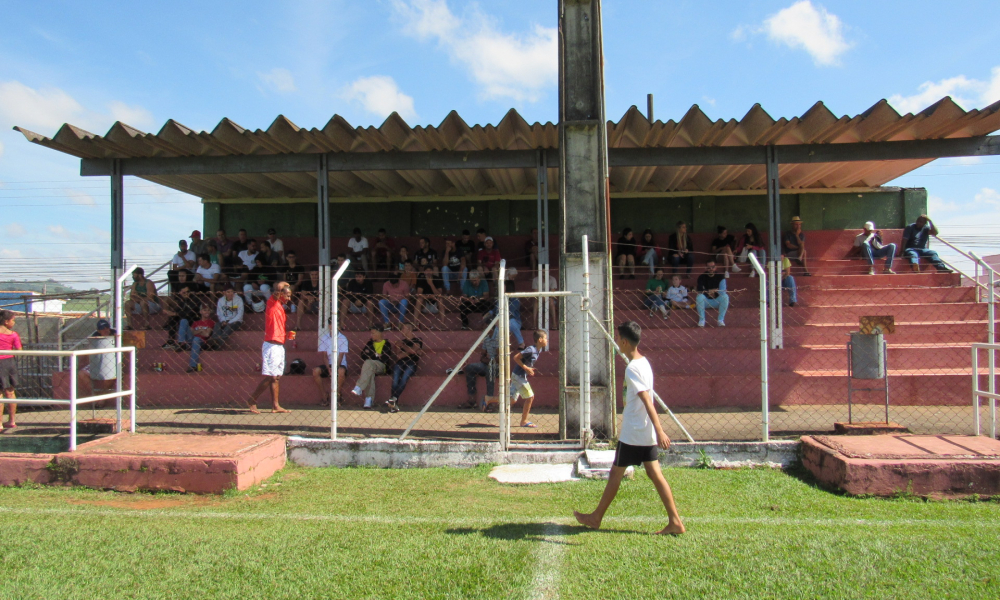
(787, 281)
(656, 294)
(407, 360)
(915, 238)
(194, 335)
(870, 243)
(711, 294)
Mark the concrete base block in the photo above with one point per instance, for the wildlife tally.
(868, 428)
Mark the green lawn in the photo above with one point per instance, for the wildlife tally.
(365, 533)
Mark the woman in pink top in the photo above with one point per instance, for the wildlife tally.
(9, 340)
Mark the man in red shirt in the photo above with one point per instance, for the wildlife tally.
(273, 352)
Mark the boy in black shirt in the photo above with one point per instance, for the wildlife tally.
(358, 295)
(410, 349)
(711, 293)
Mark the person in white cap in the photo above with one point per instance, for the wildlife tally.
(872, 247)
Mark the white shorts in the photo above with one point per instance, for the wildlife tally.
(273, 363)
(519, 386)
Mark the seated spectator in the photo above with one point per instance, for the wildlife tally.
(396, 294)
(193, 336)
(475, 297)
(229, 310)
(208, 276)
(411, 348)
(751, 241)
(183, 260)
(426, 256)
(376, 357)
(358, 249)
(489, 259)
(142, 299)
(403, 258)
(323, 371)
(870, 243)
(262, 277)
(348, 275)
(794, 245)
(787, 281)
(197, 244)
(487, 367)
(359, 296)
(214, 256)
(915, 238)
(268, 257)
(680, 248)
(553, 305)
(648, 250)
(307, 297)
(182, 305)
(409, 275)
(656, 294)
(225, 248)
(452, 267)
(678, 295)
(481, 236)
(722, 249)
(246, 260)
(241, 243)
(531, 249)
(429, 295)
(468, 250)
(293, 272)
(625, 254)
(711, 294)
(277, 246)
(383, 251)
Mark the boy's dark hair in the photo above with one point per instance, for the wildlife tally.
(243, 230)
(720, 228)
(291, 253)
(631, 332)
(481, 230)
(626, 231)
(357, 230)
(376, 327)
(204, 256)
(679, 223)
(466, 232)
(538, 334)
(139, 271)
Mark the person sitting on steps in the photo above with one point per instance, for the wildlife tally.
(870, 243)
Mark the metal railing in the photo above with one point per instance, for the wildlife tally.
(978, 393)
(73, 401)
(764, 401)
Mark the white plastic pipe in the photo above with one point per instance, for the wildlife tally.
(335, 346)
(764, 408)
(990, 338)
(585, 355)
(72, 402)
(503, 356)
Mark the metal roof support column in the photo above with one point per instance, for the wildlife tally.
(117, 227)
(323, 232)
(583, 191)
(774, 247)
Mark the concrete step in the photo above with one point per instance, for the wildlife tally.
(820, 281)
(633, 299)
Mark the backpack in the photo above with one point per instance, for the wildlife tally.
(297, 367)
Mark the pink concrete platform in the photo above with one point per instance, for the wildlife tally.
(193, 463)
(925, 465)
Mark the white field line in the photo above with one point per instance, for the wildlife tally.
(557, 521)
(548, 564)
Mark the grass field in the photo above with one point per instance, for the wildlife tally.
(450, 533)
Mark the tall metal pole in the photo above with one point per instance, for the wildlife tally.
(764, 401)
(323, 231)
(774, 246)
(585, 432)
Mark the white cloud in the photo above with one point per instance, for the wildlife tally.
(503, 65)
(278, 80)
(1, 149)
(966, 92)
(380, 96)
(810, 28)
(7, 253)
(46, 109)
(81, 198)
(136, 116)
(988, 196)
(14, 229)
(57, 230)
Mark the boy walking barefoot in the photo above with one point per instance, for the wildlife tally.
(524, 362)
(641, 435)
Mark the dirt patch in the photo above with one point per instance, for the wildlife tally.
(142, 502)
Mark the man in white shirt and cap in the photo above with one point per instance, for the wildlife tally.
(872, 247)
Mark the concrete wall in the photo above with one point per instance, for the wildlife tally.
(891, 209)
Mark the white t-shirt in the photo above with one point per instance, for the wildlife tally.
(277, 246)
(326, 346)
(553, 284)
(358, 245)
(177, 261)
(208, 273)
(637, 429)
(677, 294)
(248, 259)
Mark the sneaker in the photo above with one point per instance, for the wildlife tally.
(449, 370)
(368, 403)
(726, 274)
(721, 323)
(753, 273)
(871, 271)
(791, 304)
(356, 391)
(701, 323)
(392, 405)
(736, 269)
(890, 272)
(170, 345)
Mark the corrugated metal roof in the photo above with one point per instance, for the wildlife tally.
(818, 125)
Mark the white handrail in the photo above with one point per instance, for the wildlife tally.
(764, 400)
(978, 393)
(335, 346)
(73, 400)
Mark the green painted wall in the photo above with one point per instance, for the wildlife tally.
(889, 210)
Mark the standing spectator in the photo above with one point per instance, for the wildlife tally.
(795, 245)
(183, 305)
(359, 296)
(276, 245)
(531, 249)
(723, 246)
(648, 250)
(453, 268)
(142, 299)
(487, 368)
(396, 299)
(323, 371)
(711, 294)
(376, 358)
(677, 294)
(489, 259)
(870, 243)
(197, 244)
(229, 309)
(468, 250)
(553, 305)
(680, 248)
(475, 297)
(359, 249)
(426, 256)
(751, 241)
(273, 350)
(183, 260)
(915, 238)
(9, 340)
(411, 348)
(656, 294)
(429, 295)
(787, 281)
(193, 335)
(524, 366)
(625, 254)
(208, 276)
(383, 251)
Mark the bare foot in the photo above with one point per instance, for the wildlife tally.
(278, 409)
(253, 409)
(672, 529)
(588, 520)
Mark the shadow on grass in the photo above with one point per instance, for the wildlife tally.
(534, 532)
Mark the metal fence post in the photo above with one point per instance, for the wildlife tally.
(585, 432)
(975, 390)
(132, 416)
(503, 357)
(764, 408)
(334, 329)
(72, 402)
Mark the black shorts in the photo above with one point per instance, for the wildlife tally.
(324, 370)
(8, 373)
(627, 455)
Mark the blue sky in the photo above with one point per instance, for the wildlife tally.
(250, 61)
